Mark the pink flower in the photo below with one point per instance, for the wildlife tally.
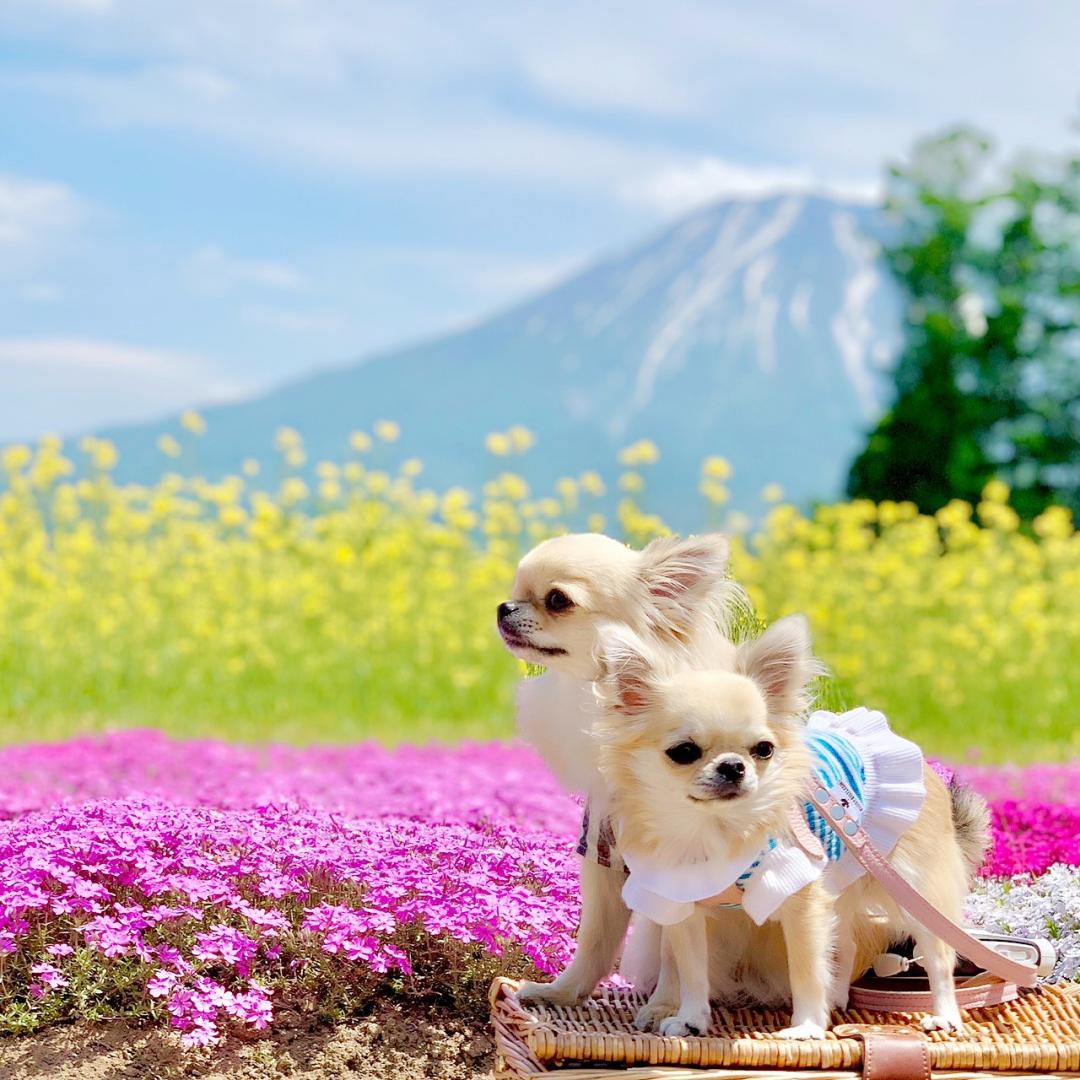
(48, 975)
(162, 983)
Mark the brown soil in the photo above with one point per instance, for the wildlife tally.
(405, 1043)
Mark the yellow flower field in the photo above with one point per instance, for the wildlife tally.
(350, 601)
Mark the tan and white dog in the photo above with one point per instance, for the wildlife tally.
(676, 594)
(706, 768)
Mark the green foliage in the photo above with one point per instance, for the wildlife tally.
(988, 381)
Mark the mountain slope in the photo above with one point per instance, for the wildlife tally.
(752, 329)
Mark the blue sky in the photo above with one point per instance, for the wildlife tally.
(201, 198)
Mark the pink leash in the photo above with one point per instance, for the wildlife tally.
(874, 863)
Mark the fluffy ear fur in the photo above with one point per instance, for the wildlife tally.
(627, 684)
(683, 575)
(782, 663)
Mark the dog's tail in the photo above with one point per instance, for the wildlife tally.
(971, 821)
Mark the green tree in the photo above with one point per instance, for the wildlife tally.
(988, 379)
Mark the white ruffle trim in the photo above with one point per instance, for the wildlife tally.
(894, 790)
(666, 893)
(785, 870)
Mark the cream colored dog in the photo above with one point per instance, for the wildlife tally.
(708, 766)
(676, 594)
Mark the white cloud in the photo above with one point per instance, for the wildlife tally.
(213, 270)
(311, 321)
(69, 384)
(524, 93)
(678, 188)
(383, 138)
(493, 276)
(521, 93)
(71, 7)
(605, 74)
(34, 213)
(82, 354)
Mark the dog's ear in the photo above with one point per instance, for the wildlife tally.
(781, 662)
(627, 683)
(680, 574)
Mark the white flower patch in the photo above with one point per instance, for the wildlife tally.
(1046, 906)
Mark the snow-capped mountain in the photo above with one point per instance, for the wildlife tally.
(753, 329)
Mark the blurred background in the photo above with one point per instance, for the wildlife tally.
(313, 316)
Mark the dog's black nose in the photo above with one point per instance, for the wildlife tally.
(506, 609)
(731, 771)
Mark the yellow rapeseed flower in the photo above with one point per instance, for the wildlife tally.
(521, 438)
(232, 517)
(513, 486)
(498, 443)
(592, 483)
(717, 468)
(104, 456)
(16, 457)
(193, 422)
(388, 431)
(287, 438)
(714, 491)
(293, 491)
(643, 452)
(169, 446)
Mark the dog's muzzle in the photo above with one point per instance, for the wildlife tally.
(725, 778)
(517, 623)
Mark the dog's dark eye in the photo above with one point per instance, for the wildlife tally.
(557, 600)
(684, 753)
(762, 750)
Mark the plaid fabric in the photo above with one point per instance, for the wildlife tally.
(597, 841)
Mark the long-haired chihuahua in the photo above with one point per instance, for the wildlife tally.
(675, 594)
(708, 773)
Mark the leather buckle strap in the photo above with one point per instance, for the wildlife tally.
(890, 1052)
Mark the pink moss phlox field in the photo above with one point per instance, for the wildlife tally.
(217, 876)
(206, 898)
(1036, 815)
(492, 782)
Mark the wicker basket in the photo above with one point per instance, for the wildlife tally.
(1037, 1034)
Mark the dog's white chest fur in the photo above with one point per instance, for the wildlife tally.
(555, 715)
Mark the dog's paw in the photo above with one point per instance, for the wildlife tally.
(552, 993)
(802, 1032)
(951, 1024)
(686, 1024)
(650, 1014)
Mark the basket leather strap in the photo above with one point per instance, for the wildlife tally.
(856, 840)
(893, 1053)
